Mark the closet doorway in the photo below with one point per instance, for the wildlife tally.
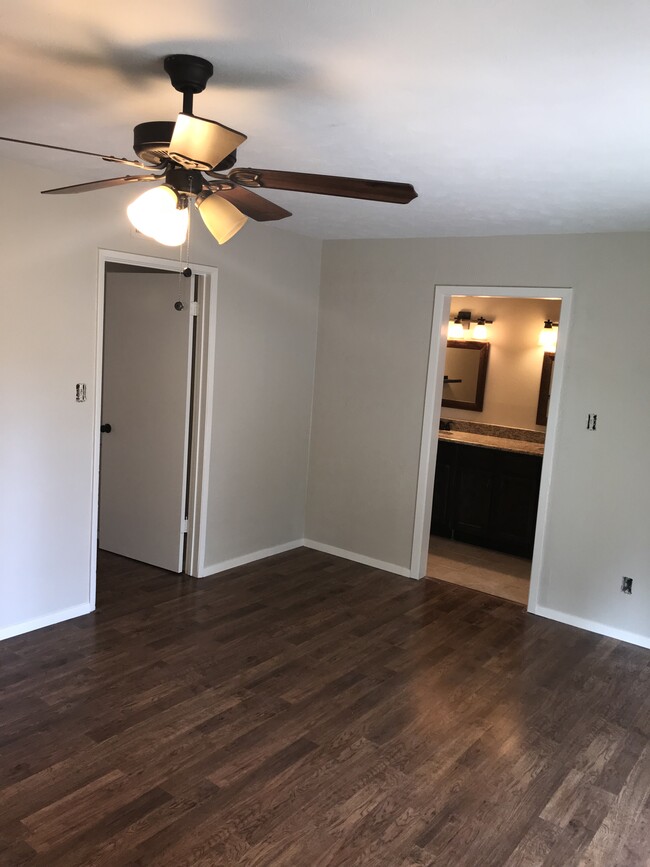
(156, 329)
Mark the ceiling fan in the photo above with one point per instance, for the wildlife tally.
(194, 158)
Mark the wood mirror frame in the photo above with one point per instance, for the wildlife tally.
(545, 388)
(478, 393)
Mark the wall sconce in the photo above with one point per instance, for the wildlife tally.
(460, 324)
(456, 330)
(548, 335)
(480, 331)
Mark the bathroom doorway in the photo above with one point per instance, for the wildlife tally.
(488, 436)
(491, 443)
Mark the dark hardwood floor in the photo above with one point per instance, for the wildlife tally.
(310, 711)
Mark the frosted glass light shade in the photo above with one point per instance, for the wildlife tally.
(456, 331)
(480, 331)
(222, 219)
(548, 338)
(155, 214)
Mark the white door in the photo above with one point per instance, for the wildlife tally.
(146, 402)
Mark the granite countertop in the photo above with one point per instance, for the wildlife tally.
(505, 444)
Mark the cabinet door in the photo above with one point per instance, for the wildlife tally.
(473, 486)
(443, 490)
(514, 503)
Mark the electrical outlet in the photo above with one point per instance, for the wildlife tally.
(626, 585)
(80, 392)
(592, 418)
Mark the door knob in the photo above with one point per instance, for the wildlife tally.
(105, 428)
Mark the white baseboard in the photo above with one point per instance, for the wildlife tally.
(358, 558)
(591, 626)
(249, 558)
(45, 620)
(306, 543)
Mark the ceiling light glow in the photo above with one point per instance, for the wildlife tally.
(156, 214)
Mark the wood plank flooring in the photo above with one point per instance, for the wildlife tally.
(304, 711)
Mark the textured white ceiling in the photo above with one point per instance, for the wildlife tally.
(509, 117)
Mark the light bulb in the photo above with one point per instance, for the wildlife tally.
(157, 215)
(222, 219)
(456, 330)
(548, 337)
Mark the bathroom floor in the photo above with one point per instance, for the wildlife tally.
(478, 568)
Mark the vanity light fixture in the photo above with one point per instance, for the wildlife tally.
(456, 330)
(480, 330)
(548, 335)
(459, 326)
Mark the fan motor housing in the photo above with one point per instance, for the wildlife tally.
(151, 140)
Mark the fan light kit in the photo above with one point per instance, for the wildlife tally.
(156, 214)
(194, 159)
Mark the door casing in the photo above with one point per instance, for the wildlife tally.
(431, 419)
(201, 410)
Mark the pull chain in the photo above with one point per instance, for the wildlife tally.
(184, 269)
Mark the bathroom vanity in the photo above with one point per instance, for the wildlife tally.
(486, 489)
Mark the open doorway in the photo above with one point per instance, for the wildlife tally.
(153, 409)
(493, 417)
(491, 477)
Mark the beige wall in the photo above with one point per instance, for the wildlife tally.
(373, 341)
(267, 308)
(373, 344)
(515, 361)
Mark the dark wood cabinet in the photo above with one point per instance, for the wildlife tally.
(486, 497)
(441, 514)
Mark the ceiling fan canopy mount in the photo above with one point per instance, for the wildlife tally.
(191, 155)
(188, 73)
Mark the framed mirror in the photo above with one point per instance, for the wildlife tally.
(545, 384)
(465, 374)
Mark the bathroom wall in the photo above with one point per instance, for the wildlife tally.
(515, 361)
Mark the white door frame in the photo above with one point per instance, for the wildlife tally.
(431, 420)
(201, 410)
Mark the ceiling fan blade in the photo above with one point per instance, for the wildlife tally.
(251, 204)
(326, 185)
(202, 144)
(135, 163)
(99, 185)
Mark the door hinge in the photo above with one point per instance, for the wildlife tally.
(185, 525)
(194, 308)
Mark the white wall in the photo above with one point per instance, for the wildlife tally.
(374, 329)
(515, 360)
(267, 315)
